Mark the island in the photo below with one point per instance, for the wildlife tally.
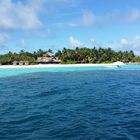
(78, 55)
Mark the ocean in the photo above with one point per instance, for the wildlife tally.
(70, 104)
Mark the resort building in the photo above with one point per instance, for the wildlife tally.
(15, 63)
(26, 63)
(20, 63)
(48, 58)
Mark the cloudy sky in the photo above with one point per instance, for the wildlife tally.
(34, 24)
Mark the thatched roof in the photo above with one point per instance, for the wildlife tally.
(48, 60)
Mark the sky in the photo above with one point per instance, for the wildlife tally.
(42, 24)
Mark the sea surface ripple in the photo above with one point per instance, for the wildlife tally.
(84, 105)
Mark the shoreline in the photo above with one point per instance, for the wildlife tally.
(60, 65)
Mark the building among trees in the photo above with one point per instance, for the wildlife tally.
(48, 58)
(20, 63)
(69, 56)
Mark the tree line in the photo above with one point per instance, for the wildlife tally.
(72, 56)
(9, 58)
(95, 55)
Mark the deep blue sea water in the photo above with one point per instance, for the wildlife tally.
(70, 105)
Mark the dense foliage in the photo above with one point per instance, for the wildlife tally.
(21, 56)
(94, 55)
(77, 55)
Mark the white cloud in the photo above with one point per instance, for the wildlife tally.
(19, 16)
(134, 15)
(75, 43)
(130, 16)
(64, 1)
(22, 44)
(4, 37)
(127, 44)
(95, 43)
(88, 18)
(124, 42)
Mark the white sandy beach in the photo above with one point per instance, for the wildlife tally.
(61, 65)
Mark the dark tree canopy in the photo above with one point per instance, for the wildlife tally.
(94, 55)
(72, 56)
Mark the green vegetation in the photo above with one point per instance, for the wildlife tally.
(94, 55)
(73, 56)
(10, 57)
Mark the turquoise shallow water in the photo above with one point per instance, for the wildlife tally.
(4, 72)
